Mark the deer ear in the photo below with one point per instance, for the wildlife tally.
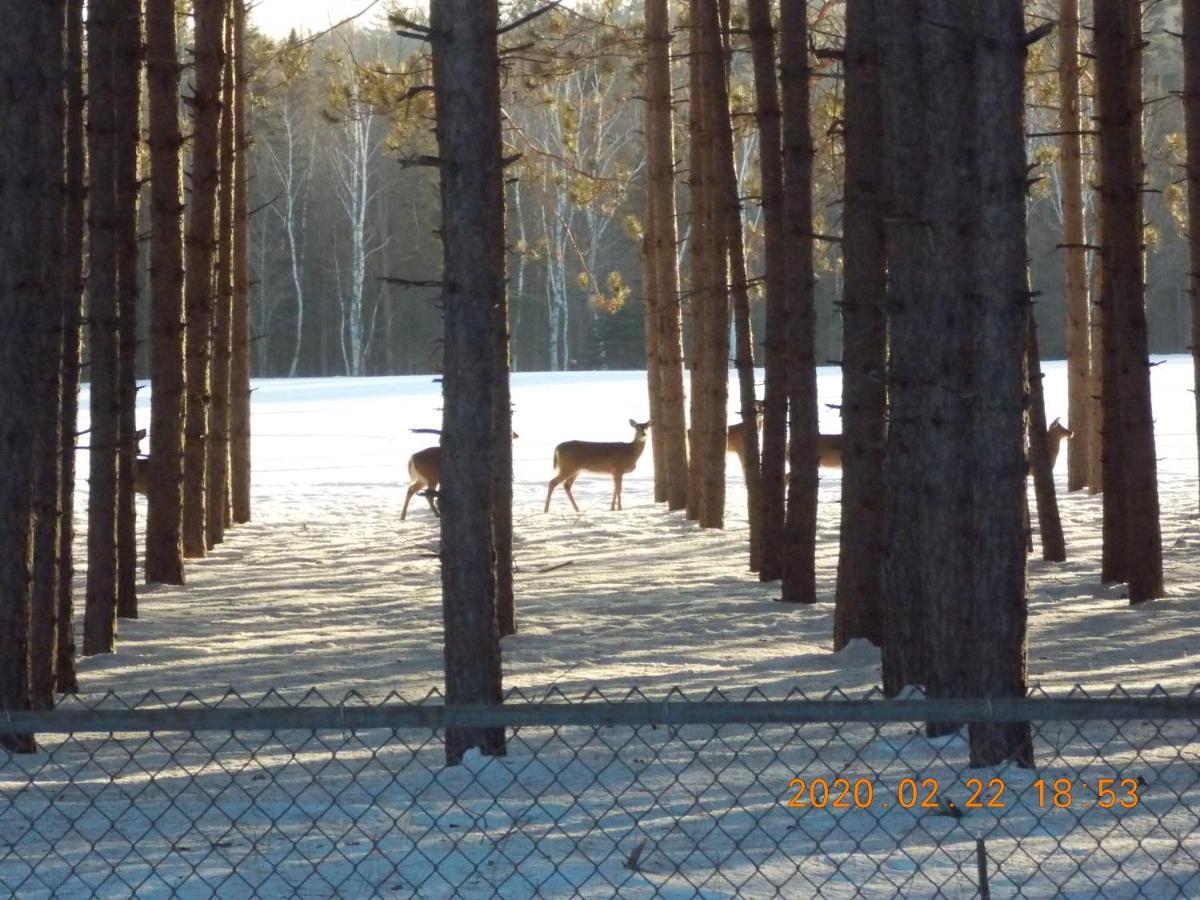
(633, 423)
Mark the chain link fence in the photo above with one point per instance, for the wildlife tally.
(720, 795)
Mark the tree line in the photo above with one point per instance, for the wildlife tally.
(73, 137)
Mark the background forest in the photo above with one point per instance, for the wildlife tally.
(338, 208)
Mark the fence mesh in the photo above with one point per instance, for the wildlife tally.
(349, 798)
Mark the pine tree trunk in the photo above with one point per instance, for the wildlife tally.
(993, 652)
(670, 429)
(164, 498)
(43, 632)
(73, 225)
(125, 100)
(730, 212)
(859, 612)
(1138, 556)
(1070, 144)
(216, 478)
(1054, 548)
(774, 442)
(652, 245)
(800, 526)
(906, 156)
(1191, 113)
(199, 297)
(502, 500)
(466, 74)
(99, 625)
(701, 251)
(710, 288)
(239, 379)
(31, 61)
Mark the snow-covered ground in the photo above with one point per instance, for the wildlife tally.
(328, 588)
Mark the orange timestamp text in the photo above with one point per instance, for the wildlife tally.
(927, 793)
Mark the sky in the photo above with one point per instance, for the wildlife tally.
(277, 17)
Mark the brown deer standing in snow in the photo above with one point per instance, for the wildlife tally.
(612, 458)
(425, 472)
(1056, 434)
(829, 446)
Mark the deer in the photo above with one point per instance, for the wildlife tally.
(425, 471)
(1055, 435)
(829, 446)
(612, 458)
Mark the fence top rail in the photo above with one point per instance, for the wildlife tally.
(597, 714)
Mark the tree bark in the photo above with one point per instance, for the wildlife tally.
(670, 428)
(466, 72)
(656, 13)
(1136, 555)
(99, 625)
(1070, 144)
(994, 651)
(239, 388)
(730, 212)
(73, 227)
(43, 633)
(800, 525)
(954, 569)
(859, 611)
(164, 498)
(775, 399)
(1191, 113)
(709, 276)
(127, 129)
(199, 247)
(1054, 547)
(217, 449)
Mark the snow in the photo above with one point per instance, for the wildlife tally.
(328, 588)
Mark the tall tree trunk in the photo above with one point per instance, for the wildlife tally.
(502, 478)
(730, 213)
(1070, 144)
(198, 293)
(43, 634)
(73, 225)
(710, 284)
(1054, 548)
(774, 444)
(99, 625)
(466, 73)
(954, 574)
(1137, 558)
(859, 612)
(709, 336)
(993, 653)
(800, 527)
(239, 386)
(1191, 113)
(164, 498)
(217, 476)
(125, 101)
(670, 427)
(651, 244)
(31, 86)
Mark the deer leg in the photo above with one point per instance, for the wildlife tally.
(616, 500)
(554, 482)
(430, 490)
(412, 489)
(567, 487)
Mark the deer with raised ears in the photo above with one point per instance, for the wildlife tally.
(1056, 434)
(611, 458)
